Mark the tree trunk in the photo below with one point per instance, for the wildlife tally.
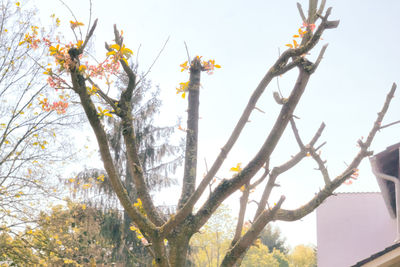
(178, 250)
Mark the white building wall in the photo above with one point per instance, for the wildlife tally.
(352, 227)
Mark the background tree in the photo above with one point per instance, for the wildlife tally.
(65, 236)
(31, 117)
(260, 256)
(212, 241)
(303, 256)
(272, 238)
(155, 228)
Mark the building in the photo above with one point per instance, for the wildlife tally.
(363, 229)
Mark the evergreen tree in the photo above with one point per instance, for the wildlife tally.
(271, 237)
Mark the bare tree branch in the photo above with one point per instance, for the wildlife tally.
(226, 187)
(242, 211)
(291, 215)
(248, 238)
(274, 71)
(276, 171)
(303, 17)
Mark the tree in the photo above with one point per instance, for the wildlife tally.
(158, 157)
(212, 241)
(29, 119)
(167, 237)
(260, 256)
(303, 256)
(271, 237)
(66, 236)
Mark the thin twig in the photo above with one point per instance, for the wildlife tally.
(277, 77)
(210, 184)
(320, 56)
(154, 62)
(187, 52)
(73, 15)
(388, 125)
(321, 166)
(262, 111)
(296, 134)
(319, 147)
(137, 56)
(90, 17)
(87, 38)
(260, 180)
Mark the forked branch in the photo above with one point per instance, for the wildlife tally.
(292, 215)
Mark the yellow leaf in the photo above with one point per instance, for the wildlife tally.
(110, 53)
(296, 36)
(237, 168)
(83, 206)
(48, 71)
(301, 32)
(295, 44)
(289, 45)
(127, 51)
(115, 46)
(184, 66)
(242, 188)
(126, 61)
(79, 43)
(75, 24)
(217, 66)
(82, 68)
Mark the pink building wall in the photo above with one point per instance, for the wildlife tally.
(352, 227)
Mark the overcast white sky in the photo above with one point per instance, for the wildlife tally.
(346, 91)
